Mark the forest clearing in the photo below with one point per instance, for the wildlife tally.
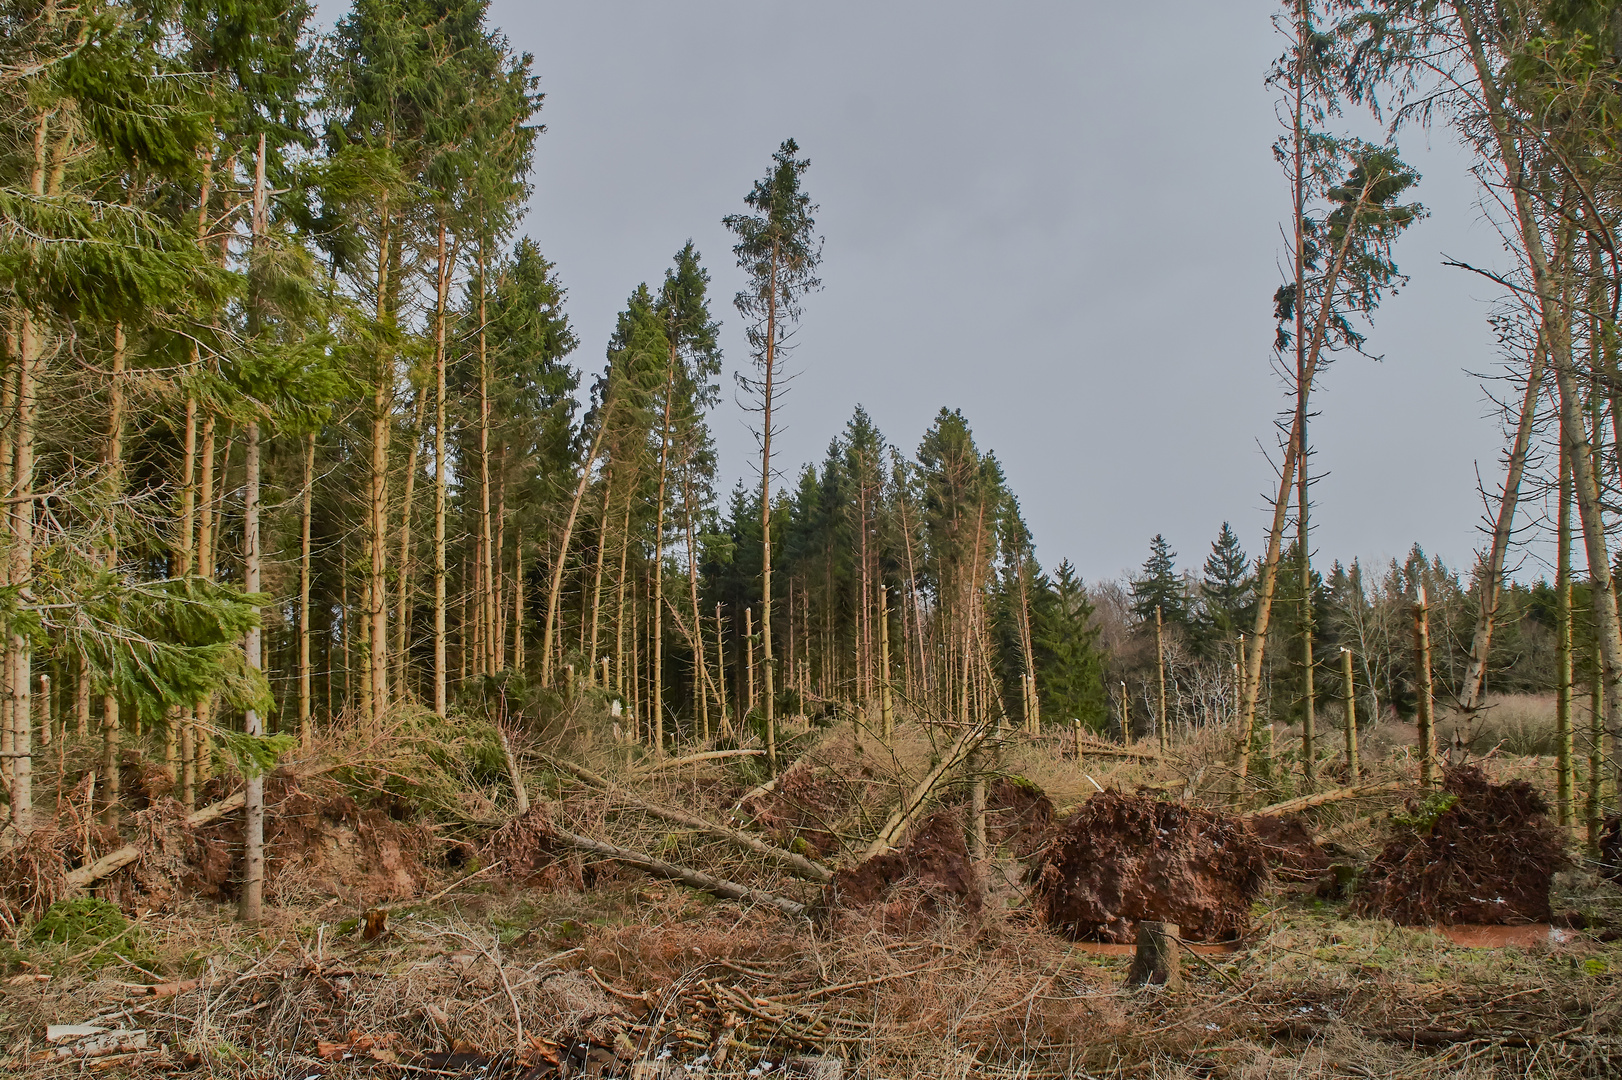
(387, 692)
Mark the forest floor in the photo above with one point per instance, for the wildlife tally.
(497, 951)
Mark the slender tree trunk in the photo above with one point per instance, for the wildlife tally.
(656, 693)
(1303, 390)
(402, 599)
(1562, 662)
(1160, 669)
(620, 674)
(498, 621)
(377, 611)
(766, 515)
(1427, 701)
(305, 723)
(1252, 672)
(721, 669)
(111, 729)
(442, 280)
(597, 575)
(1492, 572)
(1349, 689)
(253, 878)
(487, 594)
(554, 591)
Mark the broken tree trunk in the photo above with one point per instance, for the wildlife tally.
(1156, 962)
(802, 866)
(1337, 795)
(959, 752)
(729, 890)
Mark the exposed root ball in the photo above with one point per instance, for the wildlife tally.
(936, 858)
(1485, 856)
(1291, 851)
(1019, 816)
(1122, 858)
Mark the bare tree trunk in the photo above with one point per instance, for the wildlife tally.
(111, 730)
(766, 516)
(1562, 663)
(253, 878)
(1427, 701)
(1492, 573)
(1160, 668)
(402, 599)
(555, 590)
(377, 610)
(597, 576)
(1350, 691)
(487, 596)
(305, 723)
(442, 281)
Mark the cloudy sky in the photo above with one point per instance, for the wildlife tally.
(1062, 218)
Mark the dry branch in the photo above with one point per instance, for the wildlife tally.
(801, 866)
(693, 759)
(955, 756)
(119, 858)
(1337, 795)
(729, 890)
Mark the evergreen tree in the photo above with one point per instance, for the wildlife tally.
(1160, 586)
(1070, 667)
(778, 249)
(1225, 590)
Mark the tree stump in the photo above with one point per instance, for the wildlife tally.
(1156, 963)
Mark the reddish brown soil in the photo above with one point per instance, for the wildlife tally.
(1124, 858)
(1488, 859)
(936, 859)
(801, 810)
(1019, 816)
(1291, 851)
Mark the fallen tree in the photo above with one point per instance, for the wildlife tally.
(729, 890)
(959, 752)
(1305, 802)
(799, 864)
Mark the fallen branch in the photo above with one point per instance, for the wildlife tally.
(802, 866)
(119, 858)
(708, 755)
(897, 821)
(729, 890)
(1290, 806)
(1108, 749)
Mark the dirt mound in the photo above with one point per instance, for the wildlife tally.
(935, 859)
(1124, 858)
(1291, 850)
(1018, 816)
(1475, 852)
(801, 810)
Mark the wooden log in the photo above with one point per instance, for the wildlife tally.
(1157, 961)
(799, 864)
(729, 890)
(1337, 795)
(708, 755)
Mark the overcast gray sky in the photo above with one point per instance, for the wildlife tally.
(1061, 217)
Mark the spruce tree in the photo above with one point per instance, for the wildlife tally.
(779, 251)
(1160, 586)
